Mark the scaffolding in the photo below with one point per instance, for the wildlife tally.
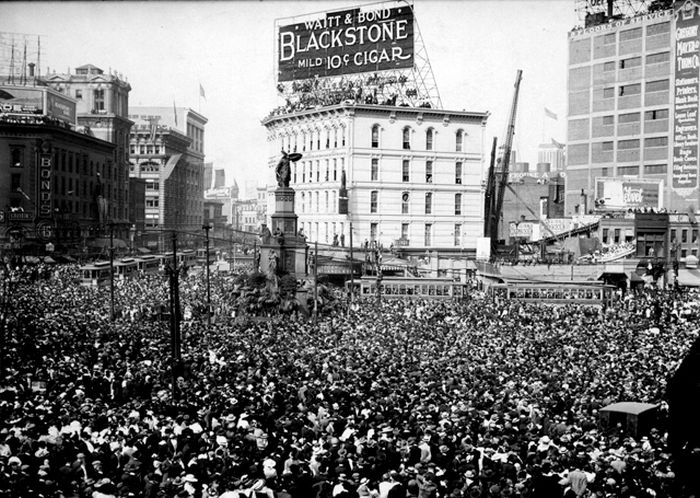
(412, 87)
(20, 58)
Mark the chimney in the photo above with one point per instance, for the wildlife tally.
(610, 7)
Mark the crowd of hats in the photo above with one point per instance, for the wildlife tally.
(390, 399)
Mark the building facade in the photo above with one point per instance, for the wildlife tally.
(57, 185)
(413, 175)
(172, 164)
(102, 104)
(633, 106)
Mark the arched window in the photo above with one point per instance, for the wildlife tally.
(459, 140)
(428, 171)
(303, 141)
(404, 202)
(428, 203)
(303, 202)
(318, 203)
(327, 206)
(334, 205)
(375, 136)
(407, 137)
(429, 139)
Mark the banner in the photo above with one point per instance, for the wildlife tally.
(37, 100)
(684, 176)
(365, 39)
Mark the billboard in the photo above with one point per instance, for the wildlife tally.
(377, 37)
(34, 100)
(623, 194)
(684, 175)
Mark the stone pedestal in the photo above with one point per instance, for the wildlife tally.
(286, 253)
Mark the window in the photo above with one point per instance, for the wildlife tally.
(429, 172)
(630, 34)
(303, 141)
(608, 66)
(605, 235)
(15, 181)
(335, 138)
(342, 136)
(458, 204)
(658, 29)
(373, 231)
(294, 173)
(658, 58)
(609, 92)
(79, 94)
(608, 120)
(328, 139)
(459, 140)
(630, 63)
(428, 203)
(404, 203)
(609, 39)
(617, 236)
(328, 170)
(404, 231)
(303, 172)
(427, 234)
(656, 142)
(303, 202)
(684, 235)
(656, 114)
(634, 89)
(458, 172)
(627, 144)
(335, 170)
(606, 146)
(694, 236)
(373, 197)
(657, 86)
(16, 156)
(404, 170)
(327, 207)
(629, 118)
(407, 138)
(655, 169)
(99, 97)
(429, 139)
(375, 136)
(458, 234)
(374, 174)
(318, 139)
(318, 171)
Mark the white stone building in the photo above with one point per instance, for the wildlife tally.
(413, 175)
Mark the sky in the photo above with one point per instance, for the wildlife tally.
(167, 50)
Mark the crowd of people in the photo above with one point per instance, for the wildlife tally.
(375, 399)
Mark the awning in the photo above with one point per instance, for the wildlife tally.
(143, 250)
(631, 407)
(688, 278)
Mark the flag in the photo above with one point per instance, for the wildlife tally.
(175, 113)
(201, 91)
(550, 114)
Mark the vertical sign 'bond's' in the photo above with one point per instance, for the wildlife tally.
(684, 177)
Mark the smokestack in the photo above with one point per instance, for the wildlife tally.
(610, 8)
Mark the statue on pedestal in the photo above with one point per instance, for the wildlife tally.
(283, 170)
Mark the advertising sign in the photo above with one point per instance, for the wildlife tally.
(45, 169)
(365, 39)
(625, 22)
(521, 230)
(32, 100)
(60, 107)
(623, 194)
(684, 176)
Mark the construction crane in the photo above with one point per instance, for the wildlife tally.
(498, 180)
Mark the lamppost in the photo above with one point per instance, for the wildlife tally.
(111, 271)
(175, 341)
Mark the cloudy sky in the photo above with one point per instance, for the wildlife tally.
(167, 49)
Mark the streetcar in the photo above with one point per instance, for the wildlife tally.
(411, 288)
(560, 293)
(95, 274)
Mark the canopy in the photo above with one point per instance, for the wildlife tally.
(688, 278)
(631, 407)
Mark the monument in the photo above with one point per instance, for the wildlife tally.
(283, 250)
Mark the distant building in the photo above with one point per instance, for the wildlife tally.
(538, 197)
(550, 153)
(102, 104)
(208, 175)
(166, 146)
(413, 174)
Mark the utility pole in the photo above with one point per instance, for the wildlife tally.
(206, 229)
(316, 282)
(378, 272)
(174, 319)
(111, 271)
(352, 269)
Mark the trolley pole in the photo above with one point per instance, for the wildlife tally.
(111, 271)
(206, 229)
(316, 281)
